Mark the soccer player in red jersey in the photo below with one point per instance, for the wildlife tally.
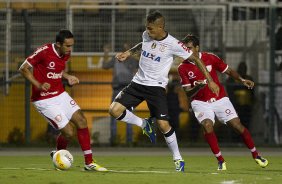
(51, 100)
(206, 105)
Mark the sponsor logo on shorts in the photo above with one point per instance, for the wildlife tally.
(72, 102)
(228, 112)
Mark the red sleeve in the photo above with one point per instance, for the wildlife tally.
(184, 80)
(37, 56)
(219, 64)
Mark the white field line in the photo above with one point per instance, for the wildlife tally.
(158, 172)
(115, 171)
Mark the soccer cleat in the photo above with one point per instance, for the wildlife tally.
(148, 130)
(221, 166)
(94, 167)
(52, 153)
(179, 165)
(261, 161)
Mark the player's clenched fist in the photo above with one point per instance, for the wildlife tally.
(72, 80)
(44, 86)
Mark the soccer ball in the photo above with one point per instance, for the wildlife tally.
(62, 159)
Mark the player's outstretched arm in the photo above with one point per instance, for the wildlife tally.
(236, 76)
(26, 73)
(124, 55)
(212, 85)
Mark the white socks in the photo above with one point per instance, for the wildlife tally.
(173, 146)
(132, 119)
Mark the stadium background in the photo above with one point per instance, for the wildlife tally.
(235, 30)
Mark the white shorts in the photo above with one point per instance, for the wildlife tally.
(57, 110)
(222, 109)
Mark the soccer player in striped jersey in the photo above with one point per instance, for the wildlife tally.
(149, 83)
(206, 105)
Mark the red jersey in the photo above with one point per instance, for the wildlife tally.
(189, 73)
(48, 67)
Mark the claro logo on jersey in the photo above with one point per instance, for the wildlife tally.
(51, 65)
(151, 56)
(53, 75)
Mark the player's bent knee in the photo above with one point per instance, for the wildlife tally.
(208, 126)
(115, 110)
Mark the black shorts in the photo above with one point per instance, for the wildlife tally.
(155, 96)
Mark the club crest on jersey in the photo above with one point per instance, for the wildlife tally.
(51, 65)
(209, 67)
(151, 56)
(154, 45)
(162, 48)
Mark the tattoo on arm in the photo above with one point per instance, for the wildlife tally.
(135, 49)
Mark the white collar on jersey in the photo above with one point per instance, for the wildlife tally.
(53, 46)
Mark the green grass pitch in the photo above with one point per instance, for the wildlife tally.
(140, 169)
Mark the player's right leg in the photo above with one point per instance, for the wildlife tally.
(126, 100)
(205, 115)
(213, 143)
(72, 112)
(171, 141)
(83, 137)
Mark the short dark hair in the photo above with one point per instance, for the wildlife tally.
(191, 38)
(63, 34)
(153, 16)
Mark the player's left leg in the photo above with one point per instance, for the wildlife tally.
(72, 111)
(157, 103)
(171, 140)
(213, 142)
(83, 137)
(247, 138)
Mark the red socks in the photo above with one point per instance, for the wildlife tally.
(62, 142)
(247, 138)
(84, 141)
(212, 141)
